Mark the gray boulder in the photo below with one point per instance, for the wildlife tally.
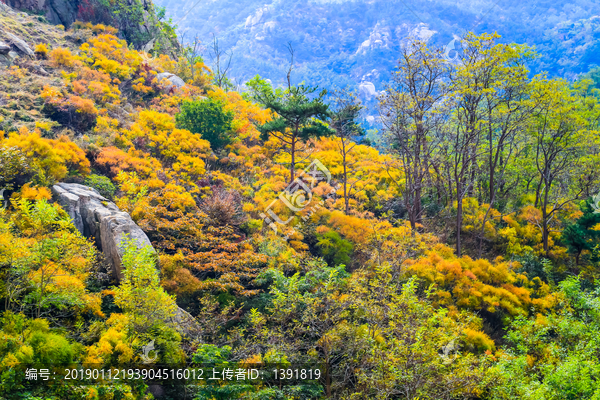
(4, 48)
(20, 44)
(149, 46)
(170, 80)
(186, 324)
(95, 217)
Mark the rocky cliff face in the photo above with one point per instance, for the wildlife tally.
(136, 20)
(59, 12)
(11, 45)
(95, 217)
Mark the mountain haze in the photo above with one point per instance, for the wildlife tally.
(356, 42)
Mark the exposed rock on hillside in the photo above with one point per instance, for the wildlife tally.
(20, 32)
(20, 44)
(62, 12)
(380, 37)
(136, 20)
(171, 80)
(95, 217)
(367, 89)
(4, 48)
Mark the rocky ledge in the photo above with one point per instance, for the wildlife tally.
(96, 217)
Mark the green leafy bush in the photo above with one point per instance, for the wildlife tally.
(334, 249)
(208, 118)
(102, 184)
(552, 356)
(14, 168)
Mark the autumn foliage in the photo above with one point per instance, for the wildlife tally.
(360, 277)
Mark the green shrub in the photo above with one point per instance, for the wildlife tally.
(207, 118)
(335, 250)
(102, 184)
(15, 169)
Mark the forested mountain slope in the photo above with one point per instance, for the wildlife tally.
(458, 260)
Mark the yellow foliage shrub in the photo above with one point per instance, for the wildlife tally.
(61, 57)
(41, 51)
(35, 192)
(16, 72)
(479, 284)
(56, 157)
(111, 55)
(50, 93)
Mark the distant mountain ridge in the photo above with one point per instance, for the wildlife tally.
(356, 42)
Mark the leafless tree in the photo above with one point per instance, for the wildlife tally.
(191, 51)
(345, 110)
(221, 61)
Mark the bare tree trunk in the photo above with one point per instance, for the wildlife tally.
(346, 200)
(538, 194)
(459, 217)
(293, 164)
(545, 229)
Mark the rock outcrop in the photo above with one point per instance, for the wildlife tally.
(367, 89)
(170, 81)
(4, 48)
(95, 217)
(63, 12)
(20, 44)
(186, 324)
(12, 46)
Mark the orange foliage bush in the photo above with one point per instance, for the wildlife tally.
(113, 160)
(73, 111)
(29, 192)
(206, 257)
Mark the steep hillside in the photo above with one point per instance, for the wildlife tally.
(154, 219)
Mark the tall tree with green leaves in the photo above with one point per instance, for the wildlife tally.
(506, 111)
(488, 86)
(411, 112)
(298, 116)
(563, 142)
